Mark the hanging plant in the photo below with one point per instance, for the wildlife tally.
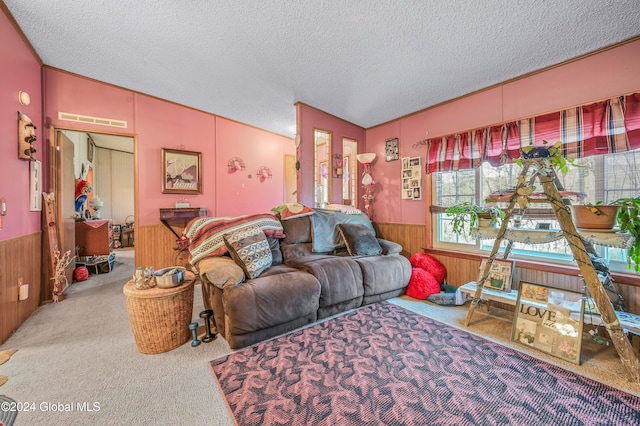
(466, 216)
(550, 157)
(629, 221)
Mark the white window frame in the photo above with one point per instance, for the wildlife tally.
(477, 247)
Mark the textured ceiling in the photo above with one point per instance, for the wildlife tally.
(366, 61)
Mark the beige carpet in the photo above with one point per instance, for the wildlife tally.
(81, 353)
(599, 362)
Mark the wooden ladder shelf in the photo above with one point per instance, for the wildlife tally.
(576, 244)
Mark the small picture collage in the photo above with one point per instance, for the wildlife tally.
(411, 178)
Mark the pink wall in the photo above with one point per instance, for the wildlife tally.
(308, 119)
(77, 95)
(20, 71)
(610, 73)
(243, 192)
(160, 124)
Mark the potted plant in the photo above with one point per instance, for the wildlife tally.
(594, 216)
(550, 156)
(466, 216)
(629, 221)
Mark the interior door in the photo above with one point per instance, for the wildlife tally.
(65, 197)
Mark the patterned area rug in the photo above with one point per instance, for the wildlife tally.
(384, 365)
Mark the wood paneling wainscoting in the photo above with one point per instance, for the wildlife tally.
(155, 246)
(155, 243)
(20, 258)
(464, 267)
(410, 237)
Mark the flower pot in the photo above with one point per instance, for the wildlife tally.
(485, 220)
(584, 218)
(484, 223)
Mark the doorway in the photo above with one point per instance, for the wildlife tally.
(106, 162)
(322, 176)
(349, 170)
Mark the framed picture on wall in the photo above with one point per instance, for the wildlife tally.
(181, 171)
(416, 193)
(549, 319)
(91, 145)
(391, 149)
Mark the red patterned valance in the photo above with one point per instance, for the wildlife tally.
(604, 127)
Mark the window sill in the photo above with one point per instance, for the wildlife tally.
(630, 279)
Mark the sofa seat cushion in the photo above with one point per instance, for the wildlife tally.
(278, 269)
(340, 277)
(384, 276)
(269, 300)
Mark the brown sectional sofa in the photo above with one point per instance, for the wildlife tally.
(302, 285)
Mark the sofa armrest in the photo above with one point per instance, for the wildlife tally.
(221, 271)
(389, 247)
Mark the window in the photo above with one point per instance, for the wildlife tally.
(603, 178)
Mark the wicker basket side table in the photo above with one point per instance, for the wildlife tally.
(160, 317)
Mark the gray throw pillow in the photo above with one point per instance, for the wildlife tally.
(359, 240)
(250, 249)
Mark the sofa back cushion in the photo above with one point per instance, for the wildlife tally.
(324, 228)
(297, 230)
(276, 254)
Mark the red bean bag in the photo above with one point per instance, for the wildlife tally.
(429, 264)
(81, 273)
(422, 284)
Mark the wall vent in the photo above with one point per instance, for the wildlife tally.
(66, 116)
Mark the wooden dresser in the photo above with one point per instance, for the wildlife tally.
(94, 237)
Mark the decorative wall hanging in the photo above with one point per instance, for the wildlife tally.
(181, 172)
(35, 186)
(264, 173)
(26, 137)
(391, 149)
(91, 146)
(411, 178)
(235, 164)
(337, 165)
(367, 180)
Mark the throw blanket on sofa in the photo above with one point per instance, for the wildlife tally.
(326, 236)
(206, 234)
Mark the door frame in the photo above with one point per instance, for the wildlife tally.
(55, 161)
